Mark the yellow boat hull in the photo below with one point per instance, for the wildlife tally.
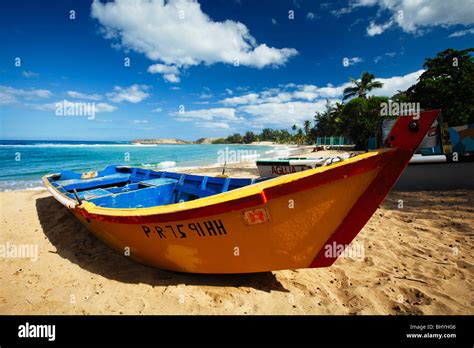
(295, 228)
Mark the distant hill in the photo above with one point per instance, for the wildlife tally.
(204, 141)
(161, 141)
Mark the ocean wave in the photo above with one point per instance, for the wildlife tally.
(160, 165)
(15, 185)
(166, 165)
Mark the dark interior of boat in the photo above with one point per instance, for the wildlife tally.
(127, 187)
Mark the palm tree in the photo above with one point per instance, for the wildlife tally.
(307, 130)
(299, 136)
(336, 110)
(294, 127)
(307, 127)
(362, 86)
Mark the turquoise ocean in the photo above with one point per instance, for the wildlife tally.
(24, 162)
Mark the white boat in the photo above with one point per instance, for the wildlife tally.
(417, 158)
(270, 168)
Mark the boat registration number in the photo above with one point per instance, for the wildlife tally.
(202, 229)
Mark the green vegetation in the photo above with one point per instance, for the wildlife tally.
(281, 136)
(447, 84)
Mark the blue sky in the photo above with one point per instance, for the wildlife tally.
(207, 68)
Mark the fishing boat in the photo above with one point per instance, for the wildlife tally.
(270, 168)
(203, 224)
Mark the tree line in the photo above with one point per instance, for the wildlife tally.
(447, 83)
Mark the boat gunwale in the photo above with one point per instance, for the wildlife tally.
(241, 198)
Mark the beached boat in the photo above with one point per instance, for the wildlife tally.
(270, 168)
(201, 224)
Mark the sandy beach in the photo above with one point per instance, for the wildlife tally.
(414, 259)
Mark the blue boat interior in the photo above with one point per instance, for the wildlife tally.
(128, 187)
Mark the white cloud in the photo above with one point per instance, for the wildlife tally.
(274, 22)
(415, 15)
(7, 98)
(245, 99)
(282, 114)
(177, 34)
(292, 92)
(377, 29)
(462, 32)
(170, 72)
(306, 92)
(305, 95)
(209, 118)
(214, 125)
(392, 84)
(208, 114)
(355, 60)
(173, 78)
(28, 74)
(163, 69)
(133, 94)
(139, 121)
(9, 95)
(332, 92)
(78, 95)
(278, 98)
(44, 107)
(229, 91)
(310, 16)
(157, 110)
(104, 107)
(388, 54)
(342, 11)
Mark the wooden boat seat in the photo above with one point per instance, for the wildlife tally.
(84, 184)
